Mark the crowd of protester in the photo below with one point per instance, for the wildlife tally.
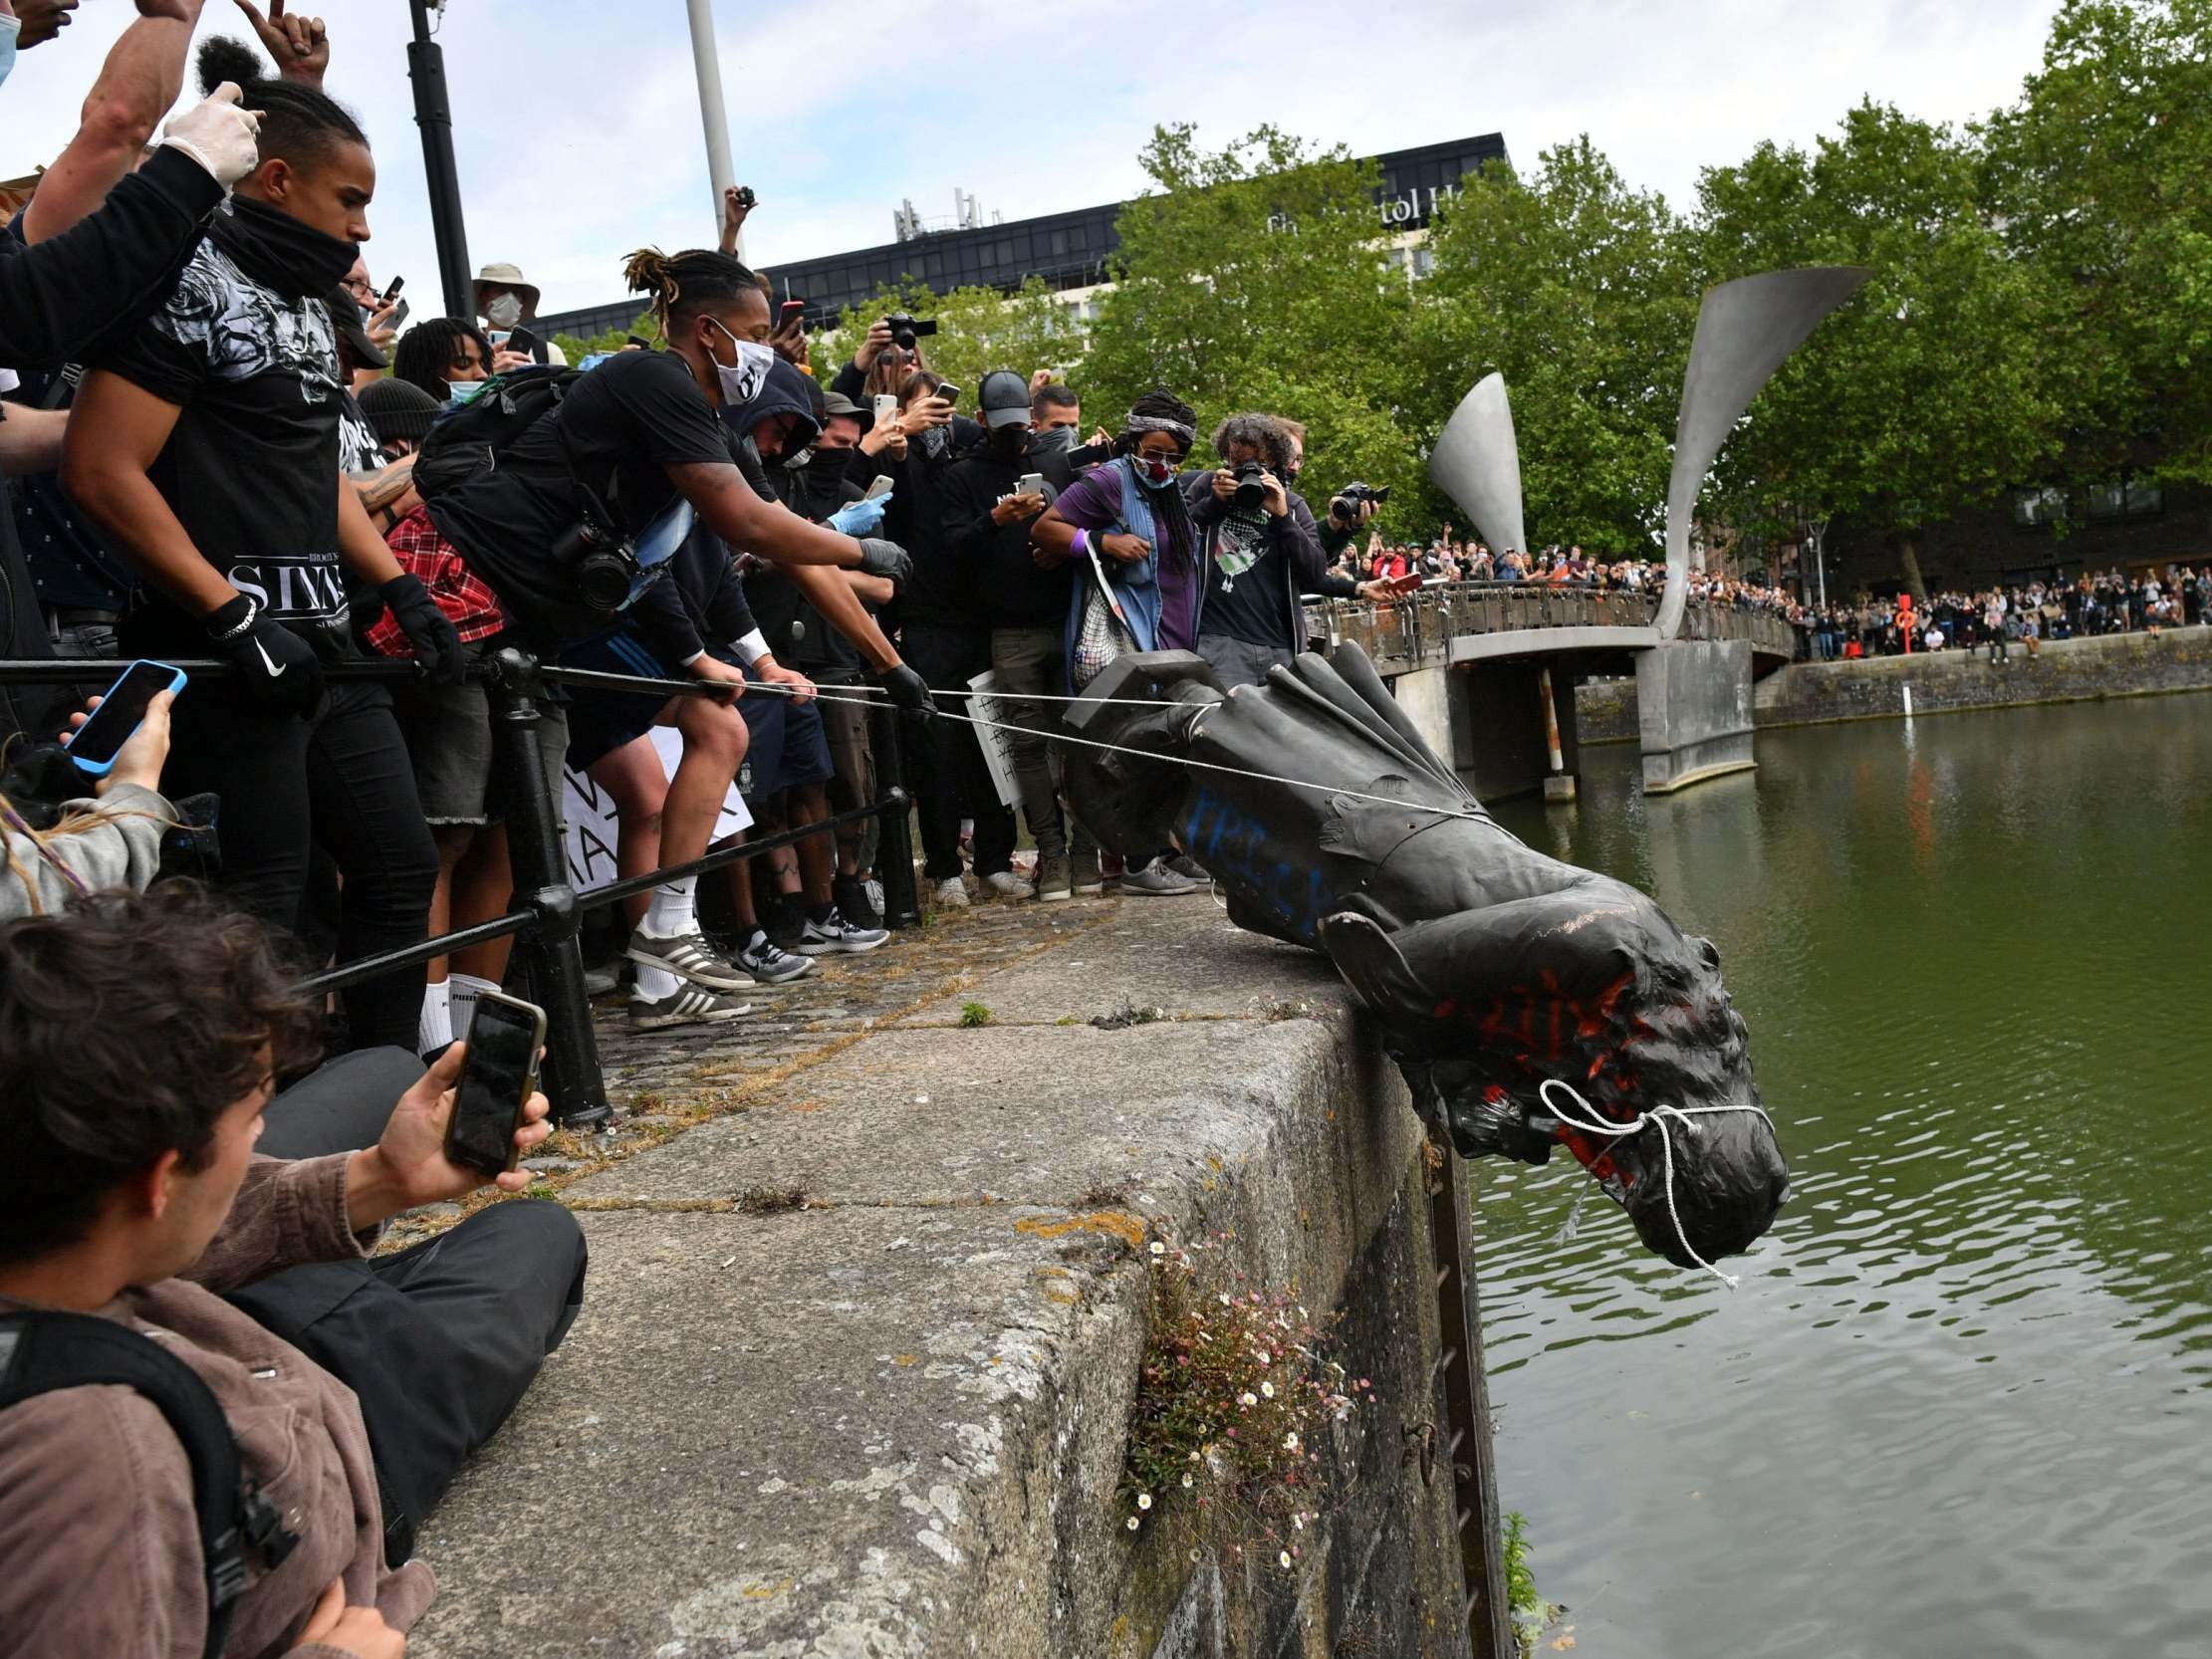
(222, 438)
(1447, 559)
(1995, 619)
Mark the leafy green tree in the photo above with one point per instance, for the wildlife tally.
(1256, 277)
(1925, 396)
(1581, 293)
(2101, 178)
(575, 348)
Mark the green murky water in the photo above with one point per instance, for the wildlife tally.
(1962, 1404)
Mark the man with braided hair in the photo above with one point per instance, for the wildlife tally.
(642, 434)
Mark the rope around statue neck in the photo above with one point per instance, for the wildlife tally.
(1655, 1116)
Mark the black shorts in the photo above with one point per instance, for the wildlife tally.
(785, 743)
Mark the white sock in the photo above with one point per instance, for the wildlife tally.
(436, 1027)
(673, 911)
(655, 983)
(462, 989)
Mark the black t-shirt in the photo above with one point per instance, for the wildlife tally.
(251, 468)
(618, 429)
(1247, 585)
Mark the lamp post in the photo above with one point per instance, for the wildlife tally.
(432, 113)
(713, 116)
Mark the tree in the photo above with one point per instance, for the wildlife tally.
(2102, 179)
(1925, 396)
(1578, 291)
(1256, 277)
(575, 348)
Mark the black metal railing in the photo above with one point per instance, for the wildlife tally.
(548, 911)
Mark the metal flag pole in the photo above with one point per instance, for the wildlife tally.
(713, 114)
(432, 113)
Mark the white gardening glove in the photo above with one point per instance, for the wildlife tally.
(218, 134)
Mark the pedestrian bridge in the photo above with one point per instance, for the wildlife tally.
(1479, 621)
(1488, 671)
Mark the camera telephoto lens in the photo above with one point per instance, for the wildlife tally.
(1250, 491)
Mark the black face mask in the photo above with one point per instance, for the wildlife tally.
(280, 251)
(1053, 440)
(1010, 443)
(832, 464)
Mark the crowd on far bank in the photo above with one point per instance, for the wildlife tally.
(1994, 620)
(1448, 560)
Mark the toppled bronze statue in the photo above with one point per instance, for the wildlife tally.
(1494, 970)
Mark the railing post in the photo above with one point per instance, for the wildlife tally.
(551, 954)
(894, 854)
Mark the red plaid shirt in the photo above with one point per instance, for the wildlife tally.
(470, 605)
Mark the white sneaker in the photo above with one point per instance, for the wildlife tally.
(952, 894)
(834, 935)
(1005, 884)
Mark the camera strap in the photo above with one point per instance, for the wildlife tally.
(40, 1351)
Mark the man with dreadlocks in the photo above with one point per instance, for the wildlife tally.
(1128, 529)
(642, 434)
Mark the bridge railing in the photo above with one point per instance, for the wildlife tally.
(1417, 631)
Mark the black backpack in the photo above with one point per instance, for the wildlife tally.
(41, 1351)
(467, 440)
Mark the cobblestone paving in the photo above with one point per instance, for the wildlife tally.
(663, 1082)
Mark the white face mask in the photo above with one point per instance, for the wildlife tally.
(742, 382)
(10, 27)
(504, 312)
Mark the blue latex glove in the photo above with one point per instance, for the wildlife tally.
(860, 517)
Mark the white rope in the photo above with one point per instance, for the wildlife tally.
(1655, 1116)
(830, 694)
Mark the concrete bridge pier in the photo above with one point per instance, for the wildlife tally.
(1693, 711)
(1499, 741)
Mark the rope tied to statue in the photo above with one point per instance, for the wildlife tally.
(1651, 1117)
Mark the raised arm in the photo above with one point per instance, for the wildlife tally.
(143, 77)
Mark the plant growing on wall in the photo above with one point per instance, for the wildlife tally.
(1235, 1395)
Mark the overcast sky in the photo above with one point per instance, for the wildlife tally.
(578, 127)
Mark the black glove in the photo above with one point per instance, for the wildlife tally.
(881, 557)
(438, 647)
(907, 690)
(274, 663)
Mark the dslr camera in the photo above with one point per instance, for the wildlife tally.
(1344, 505)
(907, 329)
(602, 562)
(1250, 491)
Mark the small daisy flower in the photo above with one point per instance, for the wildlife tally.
(1132, 1523)
(1248, 1398)
(1268, 1389)
(1144, 1500)
(1285, 1558)
(1159, 1249)
(1186, 1482)
(1290, 1443)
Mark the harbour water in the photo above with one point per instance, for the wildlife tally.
(1961, 1404)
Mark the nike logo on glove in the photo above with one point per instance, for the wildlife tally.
(275, 672)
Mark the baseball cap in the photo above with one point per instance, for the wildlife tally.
(1003, 398)
(837, 403)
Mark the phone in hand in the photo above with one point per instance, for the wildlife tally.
(948, 391)
(397, 317)
(497, 1080)
(393, 293)
(1030, 483)
(95, 745)
(882, 486)
(886, 407)
(522, 341)
(790, 307)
